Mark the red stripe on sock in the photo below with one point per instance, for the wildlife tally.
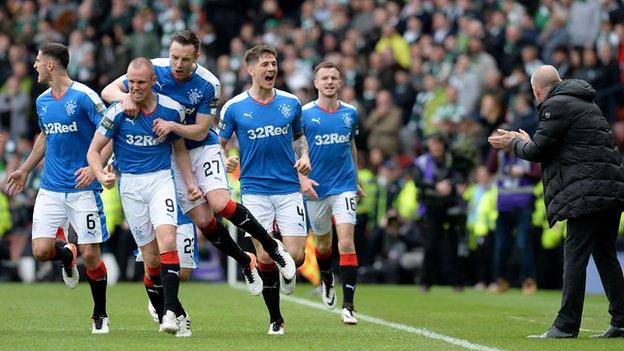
(152, 271)
(322, 256)
(266, 267)
(348, 260)
(98, 273)
(170, 257)
(228, 210)
(148, 281)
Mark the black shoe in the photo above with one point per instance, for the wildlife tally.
(611, 332)
(553, 333)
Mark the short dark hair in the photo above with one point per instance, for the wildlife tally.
(185, 37)
(56, 51)
(327, 64)
(253, 55)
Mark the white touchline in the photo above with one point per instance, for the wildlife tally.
(420, 331)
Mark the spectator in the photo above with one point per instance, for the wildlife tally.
(383, 124)
(436, 180)
(516, 179)
(14, 108)
(584, 22)
(142, 43)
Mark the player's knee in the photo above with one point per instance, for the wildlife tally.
(202, 220)
(42, 254)
(218, 199)
(323, 246)
(90, 255)
(151, 260)
(346, 246)
(91, 259)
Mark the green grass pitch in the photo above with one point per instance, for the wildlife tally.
(52, 317)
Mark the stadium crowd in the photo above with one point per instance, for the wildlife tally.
(431, 79)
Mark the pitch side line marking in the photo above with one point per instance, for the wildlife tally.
(420, 331)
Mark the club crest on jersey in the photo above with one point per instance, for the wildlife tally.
(70, 107)
(194, 96)
(347, 119)
(285, 110)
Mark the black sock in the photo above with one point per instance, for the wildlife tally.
(170, 275)
(154, 289)
(242, 218)
(324, 262)
(97, 279)
(348, 276)
(219, 236)
(61, 253)
(270, 293)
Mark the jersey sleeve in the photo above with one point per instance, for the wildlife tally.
(124, 80)
(210, 101)
(109, 126)
(38, 108)
(93, 106)
(227, 123)
(297, 124)
(355, 130)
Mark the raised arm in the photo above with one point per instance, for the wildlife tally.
(546, 140)
(116, 91)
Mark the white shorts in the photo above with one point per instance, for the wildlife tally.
(341, 207)
(82, 209)
(209, 170)
(186, 237)
(285, 211)
(148, 201)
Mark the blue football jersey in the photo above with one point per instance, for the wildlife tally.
(68, 123)
(265, 135)
(198, 94)
(329, 137)
(137, 148)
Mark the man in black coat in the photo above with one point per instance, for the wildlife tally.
(584, 183)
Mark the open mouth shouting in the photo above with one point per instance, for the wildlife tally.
(269, 78)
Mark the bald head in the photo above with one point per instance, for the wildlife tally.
(141, 62)
(545, 76)
(543, 79)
